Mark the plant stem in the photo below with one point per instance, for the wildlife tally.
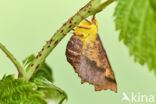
(21, 71)
(91, 8)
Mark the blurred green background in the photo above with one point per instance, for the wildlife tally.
(25, 25)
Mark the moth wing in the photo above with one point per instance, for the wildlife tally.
(73, 51)
(94, 67)
(91, 63)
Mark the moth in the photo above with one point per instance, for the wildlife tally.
(86, 54)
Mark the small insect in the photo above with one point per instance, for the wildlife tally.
(86, 54)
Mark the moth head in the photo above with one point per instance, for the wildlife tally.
(87, 27)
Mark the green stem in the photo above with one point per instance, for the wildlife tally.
(93, 7)
(21, 71)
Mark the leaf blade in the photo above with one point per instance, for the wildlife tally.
(137, 27)
(19, 91)
(44, 70)
(50, 90)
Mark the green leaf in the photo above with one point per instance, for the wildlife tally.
(137, 24)
(153, 3)
(28, 60)
(19, 91)
(50, 90)
(44, 69)
(44, 81)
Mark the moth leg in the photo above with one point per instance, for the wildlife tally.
(83, 27)
(93, 19)
(84, 18)
(73, 29)
(71, 33)
(79, 26)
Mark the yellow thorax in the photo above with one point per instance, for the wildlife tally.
(90, 31)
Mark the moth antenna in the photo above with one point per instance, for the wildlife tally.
(84, 18)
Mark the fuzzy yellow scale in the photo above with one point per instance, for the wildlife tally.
(86, 54)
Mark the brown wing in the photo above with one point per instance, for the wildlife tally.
(73, 51)
(92, 64)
